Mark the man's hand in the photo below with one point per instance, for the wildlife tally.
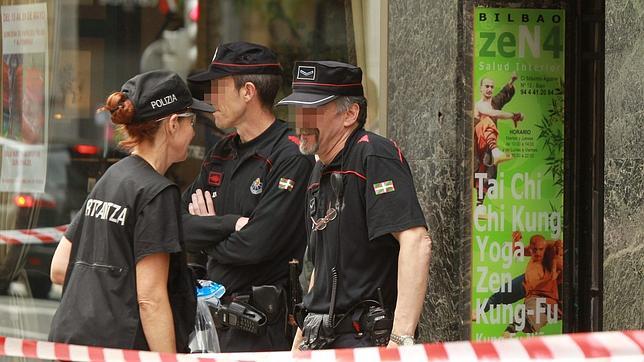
(297, 341)
(202, 204)
(241, 222)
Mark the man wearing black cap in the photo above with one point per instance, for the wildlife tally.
(368, 239)
(256, 172)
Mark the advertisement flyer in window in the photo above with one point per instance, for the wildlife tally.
(24, 98)
(518, 172)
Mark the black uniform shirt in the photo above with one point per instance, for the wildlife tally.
(132, 212)
(379, 198)
(263, 179)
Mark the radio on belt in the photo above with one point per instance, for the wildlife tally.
(242, 316)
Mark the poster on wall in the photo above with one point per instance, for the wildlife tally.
(24, 98)
(518, 172)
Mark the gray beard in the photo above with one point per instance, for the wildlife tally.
(311, 151)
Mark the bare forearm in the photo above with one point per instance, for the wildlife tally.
(413, 273)
(297, 340)
(154, 304)
(60, 261)
(158, 325)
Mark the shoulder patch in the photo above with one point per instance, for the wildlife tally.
(294, 139)
(364, 138)
(286, 184)
(214, 178)
(384, 187)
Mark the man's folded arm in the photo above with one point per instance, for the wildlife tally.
(276, 219)
(203, 232)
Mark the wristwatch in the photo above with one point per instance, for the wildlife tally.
(402, 340)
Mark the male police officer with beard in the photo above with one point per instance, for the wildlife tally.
(257, 173)
(367, 234)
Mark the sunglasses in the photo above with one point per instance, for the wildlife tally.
(321, 223)
(191, 115)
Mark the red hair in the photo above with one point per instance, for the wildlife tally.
(122, 114)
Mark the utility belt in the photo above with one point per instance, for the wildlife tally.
(367, 318)
(252, 313)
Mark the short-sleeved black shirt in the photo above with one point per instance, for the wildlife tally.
(265, 180)
(132, 212)
(379, 199)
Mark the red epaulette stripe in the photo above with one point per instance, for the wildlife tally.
(364, 138)
(328, 84)
(313, 185)
(294, 139)
(349, 172)
(265, 159)
(248, 65)
(222, 158)
(399, 151)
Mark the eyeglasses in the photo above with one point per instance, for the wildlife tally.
(321, 223)
(191, 115)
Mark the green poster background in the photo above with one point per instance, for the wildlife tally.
(525, 197)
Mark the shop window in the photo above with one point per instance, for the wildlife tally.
(60, 61)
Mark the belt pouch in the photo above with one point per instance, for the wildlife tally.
(271, 300)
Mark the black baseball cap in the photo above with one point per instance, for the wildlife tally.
(316, 83)
(239, 58)
(159, 93)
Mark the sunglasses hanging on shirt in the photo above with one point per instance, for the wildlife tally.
(320, 223)
(337, 184)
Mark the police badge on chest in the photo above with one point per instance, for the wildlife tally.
(256, 187)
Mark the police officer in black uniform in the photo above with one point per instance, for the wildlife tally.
(367, 234)
(258, 173)
(126, 281)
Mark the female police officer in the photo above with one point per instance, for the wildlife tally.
(126, 282)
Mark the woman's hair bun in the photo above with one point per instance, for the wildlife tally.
(120, 107)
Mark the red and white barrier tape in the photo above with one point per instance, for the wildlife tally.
(604, 346)
(49, 235)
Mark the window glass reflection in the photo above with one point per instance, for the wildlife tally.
(55, 146)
